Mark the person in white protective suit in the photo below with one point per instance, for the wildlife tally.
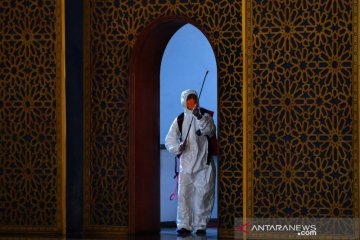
(196, 175)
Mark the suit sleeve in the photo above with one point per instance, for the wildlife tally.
(172, 142)
(207, 125)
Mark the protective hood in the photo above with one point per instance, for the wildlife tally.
(184, 96)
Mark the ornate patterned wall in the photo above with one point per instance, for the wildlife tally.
(304, 104)
(111, 30)
(303, 118)
(31, 116)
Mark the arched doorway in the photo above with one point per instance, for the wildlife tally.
(144, 124)
(187, 57)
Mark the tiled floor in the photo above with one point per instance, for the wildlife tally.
(170, 234)
(165, 234)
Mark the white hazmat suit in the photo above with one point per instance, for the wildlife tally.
(196, 178)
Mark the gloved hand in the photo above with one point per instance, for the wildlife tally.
(182, 146)
(196, 112)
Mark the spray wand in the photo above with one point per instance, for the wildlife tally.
(192, 119)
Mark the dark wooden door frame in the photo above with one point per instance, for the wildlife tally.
(144, 123)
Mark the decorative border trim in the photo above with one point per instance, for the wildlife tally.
(356, 99)
(226, 233)
(61, 116)
(105, 231)
(248, 111)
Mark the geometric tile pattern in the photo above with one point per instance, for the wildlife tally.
(304, 159)
(31, 159)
